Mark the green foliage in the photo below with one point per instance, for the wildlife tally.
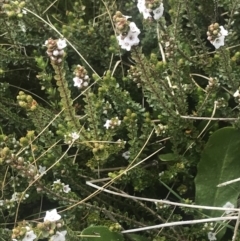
(149, 119)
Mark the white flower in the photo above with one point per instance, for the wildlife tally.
(228, 205)
(126, 42)
(77, 82)
(142, 9)
(41, 170)
(131, 39)
(236, 94)
(29, 236)
(107, 124)
(57, 182)
(219, 41)
(212, 236)
(74, 136)
(61, 44)
(52, 216)
(66, 189)
(59, 236)
(126, 155)
(24, 11)
(158, 12)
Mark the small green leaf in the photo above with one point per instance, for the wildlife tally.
(167, 157)
(102, 234)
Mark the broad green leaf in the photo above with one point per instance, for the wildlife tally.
(103, 233)
(136, 237)
(220, 162)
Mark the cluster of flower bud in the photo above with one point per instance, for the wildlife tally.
(135, 75)
(106, 106)
(220, 103)
(169, 46)
(23, 232)
(81, 79)
(216, 35)
(212, 84)
(26, 101)
(25, 169)
(213, 31)
(160, 205)
(115, 227)
(55, 50)
(50, 228)
(160, 129)
(121, 23)
(14, 8)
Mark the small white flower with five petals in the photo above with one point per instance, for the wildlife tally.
(52, 216)
(66, 189)
(61, 44)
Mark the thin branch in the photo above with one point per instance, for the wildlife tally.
(181, 223)
(208, 118)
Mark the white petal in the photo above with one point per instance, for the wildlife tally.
(127, 17)
(59, 236)
(158, 12)
(52, 216)
(212, 236)
(66, 189)
(236, 94)
(29, 236)
(134, 28)
(228, 205)
(223, 31)
(107, 124)
(77, 82)
(120, 39)
(146, 13)
(218, 42)
(61, 44)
